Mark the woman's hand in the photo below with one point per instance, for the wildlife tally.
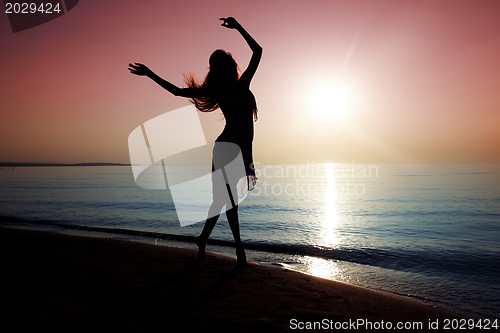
(139, 69)
(230, 23)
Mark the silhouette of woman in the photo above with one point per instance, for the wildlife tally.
(223, 88)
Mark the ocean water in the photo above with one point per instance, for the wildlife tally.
(427, 231)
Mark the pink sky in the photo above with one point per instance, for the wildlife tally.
(423, 78)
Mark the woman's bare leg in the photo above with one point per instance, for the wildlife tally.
(201, 240)
(234, 224)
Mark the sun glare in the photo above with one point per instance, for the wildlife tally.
(331, 101)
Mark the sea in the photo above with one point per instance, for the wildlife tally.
(430, 232)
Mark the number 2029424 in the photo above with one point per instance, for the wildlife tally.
(32, 8)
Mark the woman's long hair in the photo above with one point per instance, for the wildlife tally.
(223, 72)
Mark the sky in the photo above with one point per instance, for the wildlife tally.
(341, 81)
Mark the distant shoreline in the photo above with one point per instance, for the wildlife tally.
(14, 164)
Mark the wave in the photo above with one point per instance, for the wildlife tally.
(484, 265)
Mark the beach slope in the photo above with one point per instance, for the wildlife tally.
(62, 283)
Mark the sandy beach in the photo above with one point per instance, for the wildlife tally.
(62, 283)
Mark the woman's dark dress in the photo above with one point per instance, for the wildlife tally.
(238, 112)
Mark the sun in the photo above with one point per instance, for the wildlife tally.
(331, 101)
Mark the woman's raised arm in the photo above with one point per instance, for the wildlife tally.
(248, 74)
(143, 70)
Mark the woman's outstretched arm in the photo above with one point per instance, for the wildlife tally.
(143, 70)
(248, 74)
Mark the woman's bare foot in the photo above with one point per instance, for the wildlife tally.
(201, 248)
(241, 257)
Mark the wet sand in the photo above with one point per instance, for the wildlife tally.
(64, 283)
